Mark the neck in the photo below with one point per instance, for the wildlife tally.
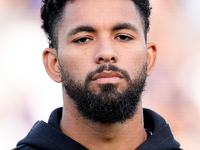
(127, 135)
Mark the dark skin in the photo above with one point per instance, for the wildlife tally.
(88, 37)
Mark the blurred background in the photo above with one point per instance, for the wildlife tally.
(27, 93)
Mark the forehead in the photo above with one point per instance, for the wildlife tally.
(101, 13)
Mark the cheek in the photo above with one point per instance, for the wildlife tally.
(76, 64)
(134, 63)
(134, 60)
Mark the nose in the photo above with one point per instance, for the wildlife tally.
(105, 53)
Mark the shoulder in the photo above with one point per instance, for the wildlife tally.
(24, 147)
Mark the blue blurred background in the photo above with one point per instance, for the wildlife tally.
(27, 93)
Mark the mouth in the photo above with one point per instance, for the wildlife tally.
(107, 77)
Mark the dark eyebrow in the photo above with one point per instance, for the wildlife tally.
(128, 26)
(81, 29)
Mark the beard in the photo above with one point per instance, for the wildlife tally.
(109, 105)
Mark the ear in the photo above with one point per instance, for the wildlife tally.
(51, 64)
(151, 57)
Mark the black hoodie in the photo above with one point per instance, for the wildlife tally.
(48, 136)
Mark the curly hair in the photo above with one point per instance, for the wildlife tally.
(52, 11)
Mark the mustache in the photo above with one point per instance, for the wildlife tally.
(107, 68)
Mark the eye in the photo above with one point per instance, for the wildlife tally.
(124, 38)
(82, 40)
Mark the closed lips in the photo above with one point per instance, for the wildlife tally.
(107, 74)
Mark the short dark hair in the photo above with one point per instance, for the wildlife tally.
(52, 11)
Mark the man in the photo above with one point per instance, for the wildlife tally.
(98, 49)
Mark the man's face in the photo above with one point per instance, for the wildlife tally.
(102, 55)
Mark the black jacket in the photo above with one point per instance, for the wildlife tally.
(45, 136)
